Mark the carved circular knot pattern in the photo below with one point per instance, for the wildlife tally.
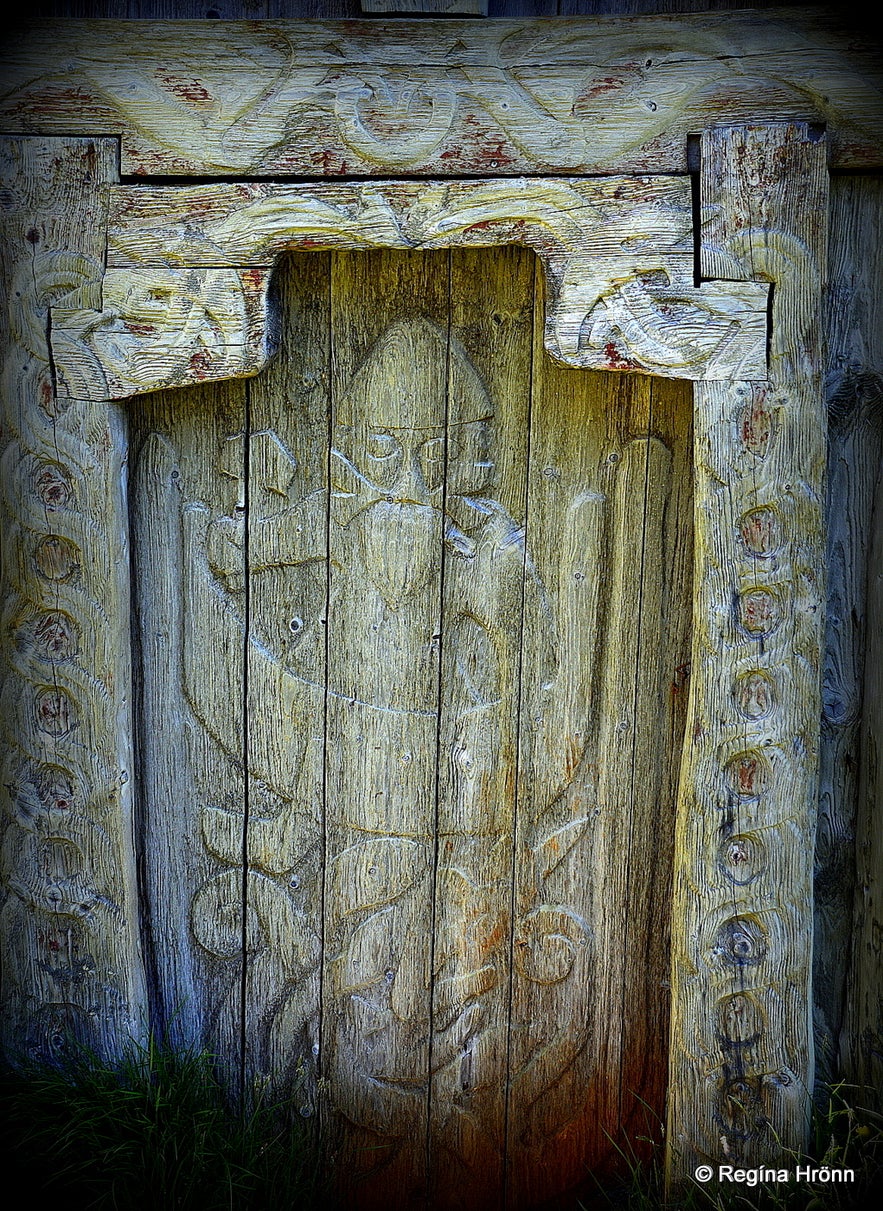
(748, 775)
(742, 942)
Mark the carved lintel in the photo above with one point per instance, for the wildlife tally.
(185, 299)
(453, 98)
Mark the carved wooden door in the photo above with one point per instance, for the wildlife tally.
(392, 824)
(414, 613)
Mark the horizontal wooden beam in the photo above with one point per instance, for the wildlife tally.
(448, 98)
(186, 291)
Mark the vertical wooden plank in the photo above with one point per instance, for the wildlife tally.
(71, 957)
(741, 1044)
(864, 1017)
(189, 573)
(484, 566)
(389, 325)
(661, 683)
(633, 456)
(609, 486)
(285, 680)
(552, 1096)
(854, 384)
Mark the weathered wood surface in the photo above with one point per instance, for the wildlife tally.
(441, 7)
(164, 328)
(849, 967)
(742, 1045)
(422, 798)
(864, 1007)
(191, 721)
(71, 960)
(617, 254)
(854, 387)
(452, 99)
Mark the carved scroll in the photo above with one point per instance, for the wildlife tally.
(71, 961)
(742, 1051)
(461, 98)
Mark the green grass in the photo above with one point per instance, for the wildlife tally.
(154, 1131)
(844, 1136)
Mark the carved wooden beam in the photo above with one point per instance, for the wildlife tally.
(741, 1070)
(71, 958)
(186, 293)
(445, 99)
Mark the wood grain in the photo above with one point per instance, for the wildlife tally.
(579, 786)
(742, 1047)
(164, 328)
(617, 254)
(864, 1016)
(286, 494)
(71, 955)
(188, 466)
(489, 588)
(595, 95)
(389, 326)
(854, 387)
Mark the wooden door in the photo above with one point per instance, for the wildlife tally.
(413, 621)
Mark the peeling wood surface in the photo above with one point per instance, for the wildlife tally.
(460, 98)
(69, 917)
(742, 1046)
(440, 759)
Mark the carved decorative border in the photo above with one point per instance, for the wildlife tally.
(460, 99)
(741, 1071)
(185, 294)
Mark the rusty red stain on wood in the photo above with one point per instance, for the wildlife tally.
(190, 91)
(200, 362)
(616, 360)
(757, 423)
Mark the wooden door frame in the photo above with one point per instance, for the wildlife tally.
(92, 265)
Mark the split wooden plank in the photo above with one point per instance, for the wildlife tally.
(286, 493)
(189, 583)
(742, 1048)
(484, 592)
(389, 323)
(71, 954)
(854, 385)
(588, 95)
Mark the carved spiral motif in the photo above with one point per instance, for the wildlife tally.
(60, 871)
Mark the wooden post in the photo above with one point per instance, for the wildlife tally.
(71, 958)
(742, 1050)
